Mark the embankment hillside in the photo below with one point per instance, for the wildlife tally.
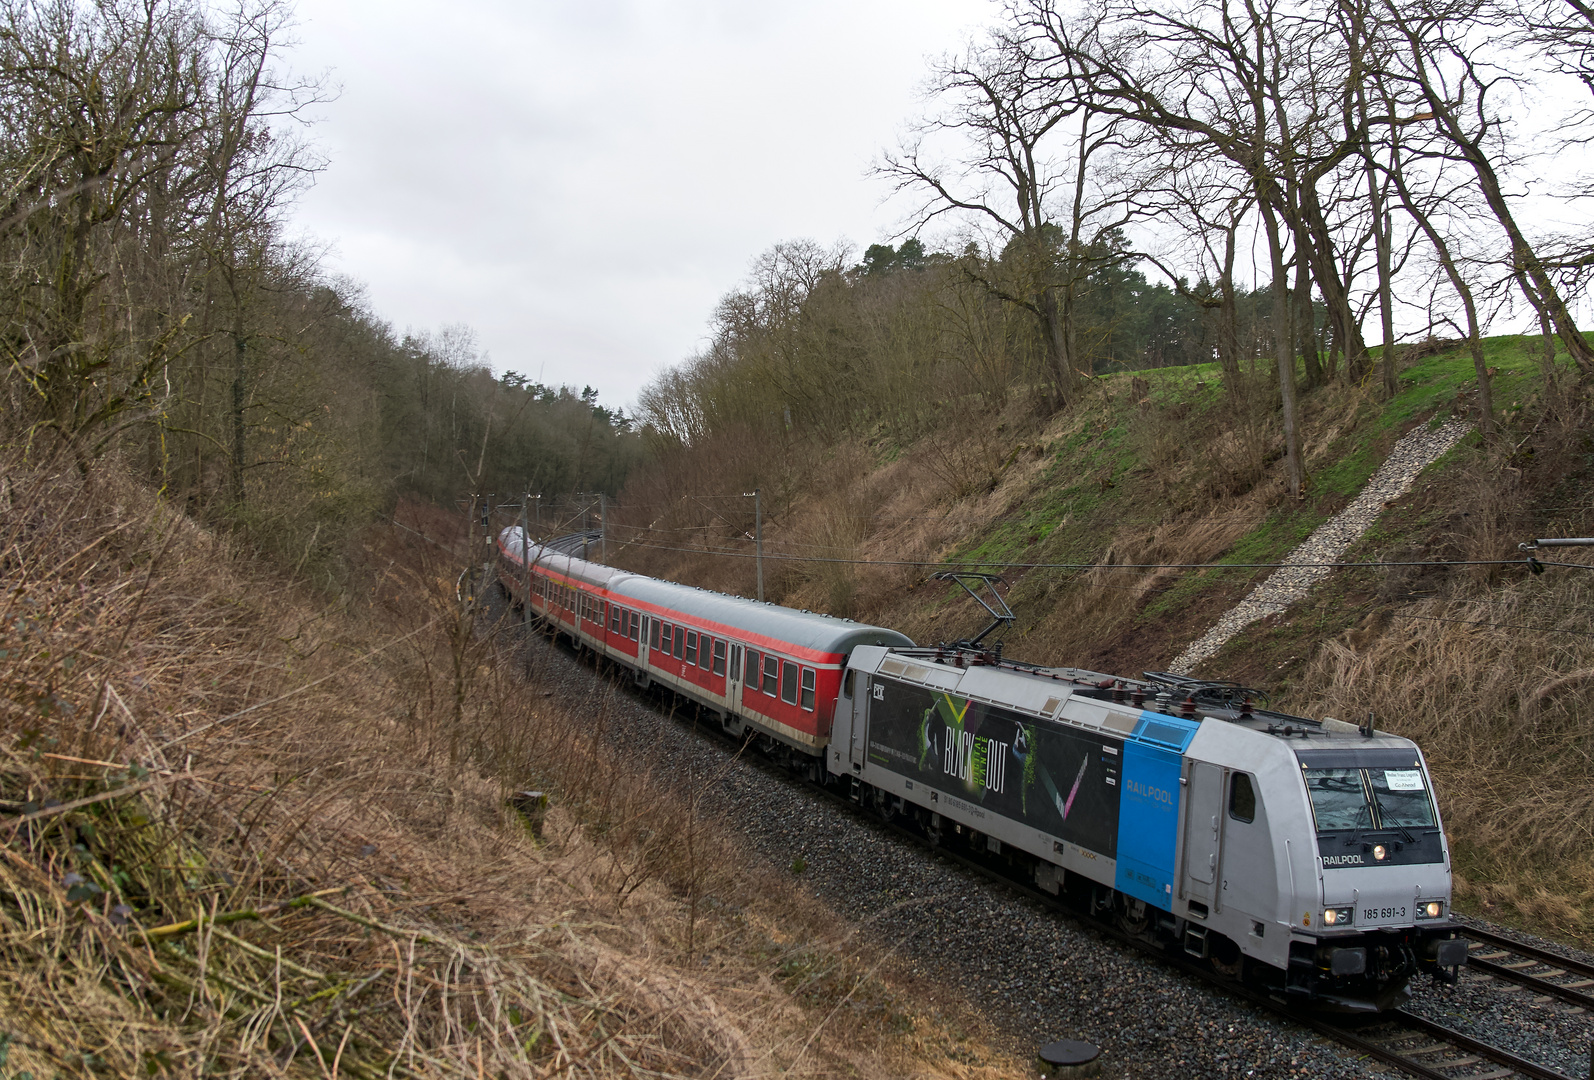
(247, 830)
(1126, 525)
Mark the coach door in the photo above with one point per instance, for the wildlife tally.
(733, 680)
(1203, 844)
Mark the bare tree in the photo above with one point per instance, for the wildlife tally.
(255, 164)
(1007, 175)
(1442, 60)
(1210, 80)
(99, 103)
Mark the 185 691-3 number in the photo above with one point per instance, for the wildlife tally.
(1379, 914)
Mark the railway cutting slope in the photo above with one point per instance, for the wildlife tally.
(1313, 560)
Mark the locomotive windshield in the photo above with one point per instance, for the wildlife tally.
(1369, 799)
(1401, 797)
(1339, 799)
(1371, 807)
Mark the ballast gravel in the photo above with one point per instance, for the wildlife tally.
(1035, 973)
(1309, 563)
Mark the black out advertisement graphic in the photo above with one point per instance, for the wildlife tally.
(1057, 780)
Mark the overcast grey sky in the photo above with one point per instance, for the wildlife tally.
(580, 182)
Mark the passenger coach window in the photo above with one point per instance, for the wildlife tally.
(808, 689)
(669, 638)
(719, 657)
(656, 625)
(1242, 798)
(614, 620)
(750, 675)
(680, 642)
(788, 682)
(691, 647)
(771, 674)
(705, 651)
(636, 625)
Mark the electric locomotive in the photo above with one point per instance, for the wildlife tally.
(1303, 856)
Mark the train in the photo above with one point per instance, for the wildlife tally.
(1304, 858)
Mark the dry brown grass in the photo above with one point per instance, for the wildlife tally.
(1503, 706)
(247, 835)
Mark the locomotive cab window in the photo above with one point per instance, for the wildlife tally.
(808, 689)
(719, 657)
(788, 683)
(1339, 800)
(1242, 798)
(846, 684)
(1402, 798)
(691, 647)
(771, 675)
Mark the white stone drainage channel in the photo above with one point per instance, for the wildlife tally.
(1329, 542)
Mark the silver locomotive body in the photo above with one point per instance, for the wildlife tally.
(1306, 856)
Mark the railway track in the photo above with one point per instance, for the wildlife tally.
(1420, 1047)
(1538, 970)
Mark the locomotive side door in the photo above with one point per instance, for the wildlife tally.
(862, 692)
(1203, 831)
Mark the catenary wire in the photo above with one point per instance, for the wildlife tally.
(976, 563)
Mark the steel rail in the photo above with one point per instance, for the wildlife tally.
(1466, 1042)
(1541, 984)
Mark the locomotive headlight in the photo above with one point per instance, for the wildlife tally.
(1338, 916)
(1430, 909)
(1380, 852)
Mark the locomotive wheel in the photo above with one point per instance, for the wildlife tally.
(1227, 959)
(1134, 917)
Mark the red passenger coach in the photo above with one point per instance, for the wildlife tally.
(757, 666)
